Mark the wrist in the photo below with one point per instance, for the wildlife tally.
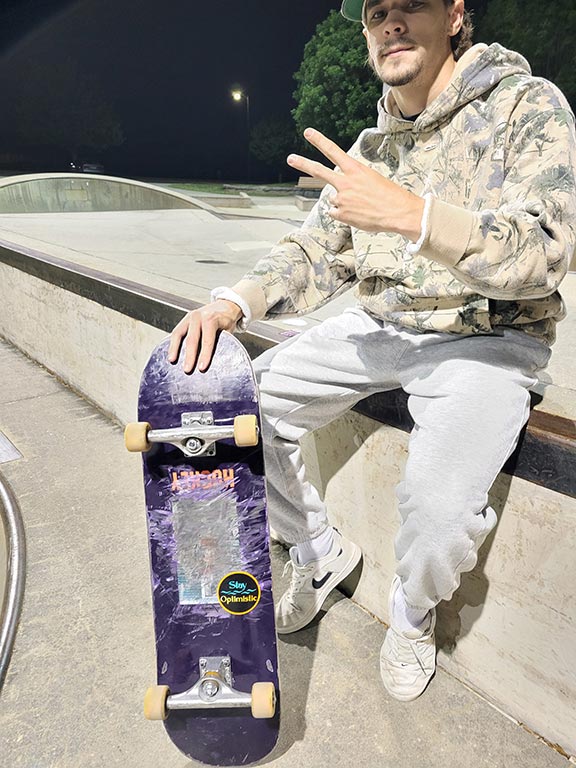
(235, 297)
(234, 309)
(409, 219)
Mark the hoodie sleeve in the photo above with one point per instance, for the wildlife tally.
(306, 269)
(523, 248)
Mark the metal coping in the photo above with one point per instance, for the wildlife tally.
(11, 606)
(546, 451)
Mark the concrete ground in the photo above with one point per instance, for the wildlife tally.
(84, 653)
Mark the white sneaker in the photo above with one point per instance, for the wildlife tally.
(408, 659)
(311, 584)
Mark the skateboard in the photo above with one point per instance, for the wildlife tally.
(217, 670)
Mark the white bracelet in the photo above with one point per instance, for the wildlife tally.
(413, 248)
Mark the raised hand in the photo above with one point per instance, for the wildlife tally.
(364, 198)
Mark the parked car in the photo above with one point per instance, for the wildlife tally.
(86, 167)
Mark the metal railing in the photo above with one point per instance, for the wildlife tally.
(15, 574)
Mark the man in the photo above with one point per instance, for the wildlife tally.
(455, 219)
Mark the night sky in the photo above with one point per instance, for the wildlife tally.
(167, 69)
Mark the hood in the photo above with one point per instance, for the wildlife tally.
(480, 69)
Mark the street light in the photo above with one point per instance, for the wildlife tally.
(238, 95)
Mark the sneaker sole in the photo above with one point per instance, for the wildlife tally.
(323, 593)
(408, 696)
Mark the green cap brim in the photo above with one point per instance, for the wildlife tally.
(352, 9)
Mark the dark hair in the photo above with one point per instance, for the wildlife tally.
(461, 41)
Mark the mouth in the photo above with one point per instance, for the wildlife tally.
(395, 52)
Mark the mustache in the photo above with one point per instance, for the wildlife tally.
(398, 42)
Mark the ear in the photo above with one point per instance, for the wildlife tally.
(369, 40)
(456, 18)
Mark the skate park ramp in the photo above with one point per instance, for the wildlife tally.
(78, 192)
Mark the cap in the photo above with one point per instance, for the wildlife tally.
(352, 9)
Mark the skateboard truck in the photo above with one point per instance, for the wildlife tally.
(197, 435)
(214, 690)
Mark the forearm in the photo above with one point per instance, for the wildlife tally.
(304, 270)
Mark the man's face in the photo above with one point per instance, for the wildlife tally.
(409, 40)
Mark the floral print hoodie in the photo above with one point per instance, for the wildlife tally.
(496, 150)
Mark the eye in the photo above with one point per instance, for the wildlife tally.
(411, 5)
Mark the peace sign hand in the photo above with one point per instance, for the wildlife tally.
(364, 198)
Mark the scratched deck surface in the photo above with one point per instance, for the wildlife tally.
(207, 518)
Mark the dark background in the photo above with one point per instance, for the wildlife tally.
(167, 70)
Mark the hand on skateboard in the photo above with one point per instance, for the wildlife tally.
(200, 328)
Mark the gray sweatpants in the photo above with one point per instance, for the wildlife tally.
(468, 396)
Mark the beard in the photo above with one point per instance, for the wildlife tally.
(394, 77)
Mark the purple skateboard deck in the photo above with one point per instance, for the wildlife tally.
(209, 554)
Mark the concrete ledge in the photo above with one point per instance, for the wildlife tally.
(510, 632)
(241, 200)
(546, 453)
(304, 203)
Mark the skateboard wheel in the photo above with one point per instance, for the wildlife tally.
(263, 700)
(136, 437)
(155, 702)
(246, 430)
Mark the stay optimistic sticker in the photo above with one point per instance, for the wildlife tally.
(238, 593)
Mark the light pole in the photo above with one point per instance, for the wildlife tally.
(238, 95)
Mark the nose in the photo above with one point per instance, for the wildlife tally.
(395, 24)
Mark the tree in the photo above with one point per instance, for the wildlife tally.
(271, 141)
(337, 91)
(64, 107)
(545, 33)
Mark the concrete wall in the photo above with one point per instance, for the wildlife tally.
(99, 352)
(510, 632)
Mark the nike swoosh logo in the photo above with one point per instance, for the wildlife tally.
(320, 584)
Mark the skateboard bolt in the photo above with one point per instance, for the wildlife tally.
(210, 688)
(194, 445)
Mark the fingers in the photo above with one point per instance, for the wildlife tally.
(313, 168)
(190, 329)
(176, 337)
(330, 149)
(333, 152)
(208, 342)
(200, 330)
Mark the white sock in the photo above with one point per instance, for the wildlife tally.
(405, 617)
(314, 549)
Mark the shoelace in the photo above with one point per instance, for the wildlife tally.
(405, 652)
(298, 577)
